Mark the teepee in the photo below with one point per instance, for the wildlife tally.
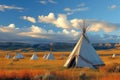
(34, 57)
(45, 55)
(7, 56)
(18, 56)
(83, 54)
(50, 56)
(114, 56)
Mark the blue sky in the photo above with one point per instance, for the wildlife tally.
(59, 21)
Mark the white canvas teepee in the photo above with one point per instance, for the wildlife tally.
(18, 56)
(45, 55)
(50, 56)
(21, 56)
(7, 56)
(114, 56)
(83, 54)
(34, 57)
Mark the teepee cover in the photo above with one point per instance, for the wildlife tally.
(34, 57)
(50, 56)
(45, 55)
(18, 56)
(114, 55)
(7, 56)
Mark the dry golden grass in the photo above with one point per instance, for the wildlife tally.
(109, 51)
(31, 68)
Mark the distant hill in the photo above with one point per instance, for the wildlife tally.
(58, 46)
(13, 45)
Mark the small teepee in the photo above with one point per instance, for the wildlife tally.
(34, 57)
(21, 56)
(83, 54)
(50, 56)
(45, 55)
(18, 56)
(114, 56)
(7, 56)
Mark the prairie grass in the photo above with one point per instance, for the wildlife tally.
(27, 69)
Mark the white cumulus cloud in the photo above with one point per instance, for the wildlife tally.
(30, 19)
(102, 26)
(76, 23)
(38, 32)
(35, 33)
(61, 21)
(47, 19)
(10, 28)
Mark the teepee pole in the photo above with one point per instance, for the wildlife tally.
(51, 45)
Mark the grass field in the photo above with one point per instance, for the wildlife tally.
(30, 68)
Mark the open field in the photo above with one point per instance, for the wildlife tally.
(10, 68)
